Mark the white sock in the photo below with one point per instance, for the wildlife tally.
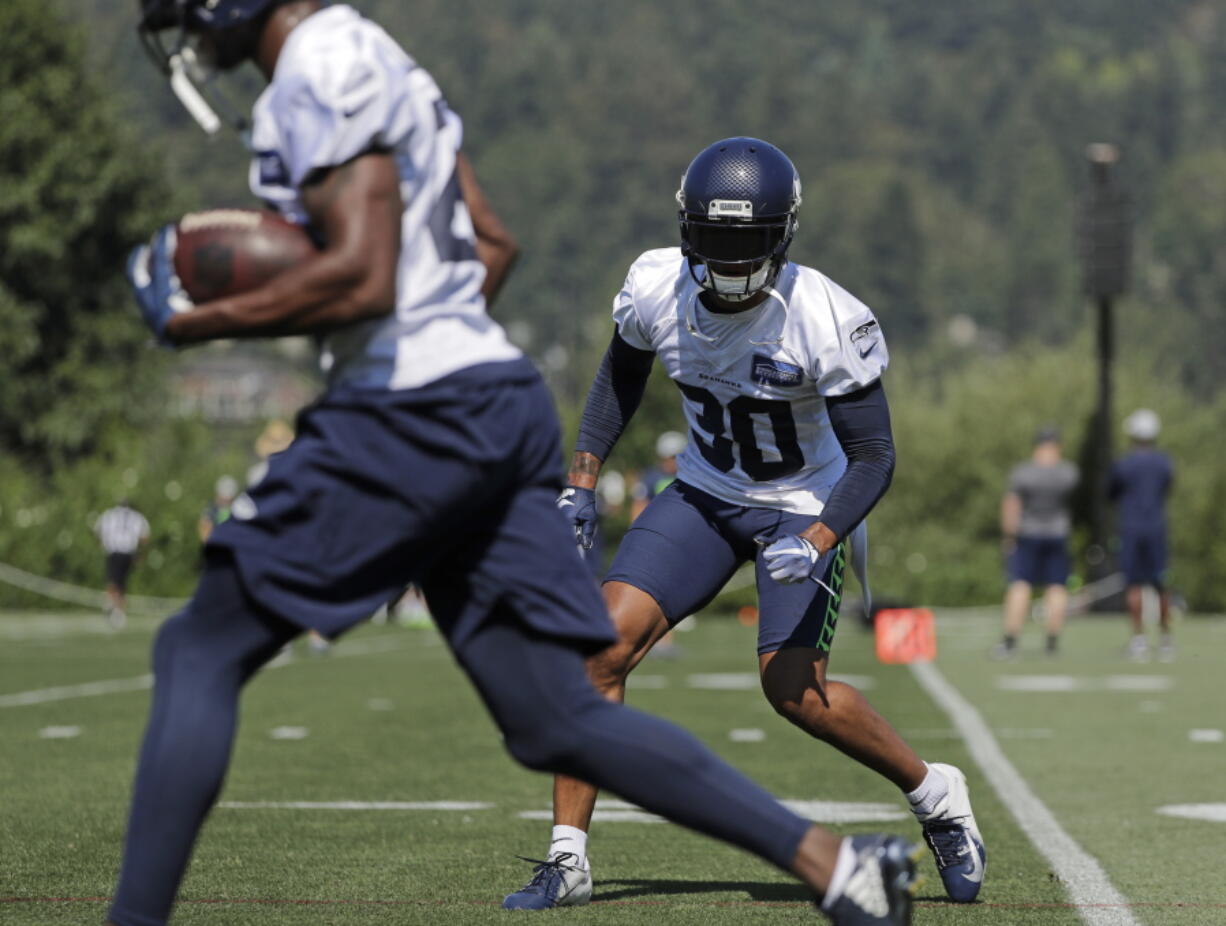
(569, 839)
(843, 868)
(929, 794)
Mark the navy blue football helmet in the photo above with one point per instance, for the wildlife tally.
(191, 40)
(739, 201)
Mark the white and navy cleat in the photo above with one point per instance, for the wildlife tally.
(880, 889)
(556, 882)
(953, 837)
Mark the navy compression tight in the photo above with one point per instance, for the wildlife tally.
(535, 687)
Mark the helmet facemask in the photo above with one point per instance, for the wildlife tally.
(192, 58)
(741, 257)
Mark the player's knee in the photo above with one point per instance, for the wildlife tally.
(805, 705)
(560, 741)
(608, 668)
(543, 747)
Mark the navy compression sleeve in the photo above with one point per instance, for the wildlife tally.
(615, 395)
(861, 422)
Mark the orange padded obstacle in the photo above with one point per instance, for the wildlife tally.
(906, 635)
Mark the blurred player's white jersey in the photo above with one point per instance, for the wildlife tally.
(754, 382)
(343, 87)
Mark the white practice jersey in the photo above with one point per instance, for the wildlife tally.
(342, 87)
(754, 382)
(121, 529)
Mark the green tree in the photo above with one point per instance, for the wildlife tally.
(76, 192)
(895, 252)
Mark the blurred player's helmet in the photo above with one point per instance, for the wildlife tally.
(739, 200)
(670, 444)
(191, 40)
(1143, 425)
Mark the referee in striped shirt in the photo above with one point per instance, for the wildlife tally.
(123, 531)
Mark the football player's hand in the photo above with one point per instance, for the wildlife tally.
(156, 286)
(580, 506)
(791, 558)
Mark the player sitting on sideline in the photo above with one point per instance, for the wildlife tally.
(431, 457)
(790, 448)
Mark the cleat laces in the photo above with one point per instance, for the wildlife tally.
(948, 843)
(547, 872)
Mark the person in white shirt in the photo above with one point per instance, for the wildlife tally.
(123, 532)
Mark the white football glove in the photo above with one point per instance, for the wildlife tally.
(792, 558)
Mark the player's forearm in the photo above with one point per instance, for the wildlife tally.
(822, 537)
(499, 259)
(584, 470)
(328, 291)
(861, 423)
(855, 494)
(357, 211)
(614, 397)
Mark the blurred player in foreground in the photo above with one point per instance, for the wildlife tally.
(790, 448)
(1035, 524)
(1140, 483)
(431, 457)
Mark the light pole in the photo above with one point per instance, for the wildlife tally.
(1105, 245)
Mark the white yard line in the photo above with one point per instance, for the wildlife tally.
(1089, 889)
(66, 692)
(380, 644)
(354, 805)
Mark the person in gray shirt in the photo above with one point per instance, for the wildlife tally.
(1035, 524)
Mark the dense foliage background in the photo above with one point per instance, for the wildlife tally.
(942, 151)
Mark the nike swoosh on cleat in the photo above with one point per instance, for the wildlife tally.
(976, 875)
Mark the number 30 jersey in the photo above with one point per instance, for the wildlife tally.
(754, 383)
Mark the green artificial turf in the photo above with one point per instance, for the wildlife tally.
(387, 717)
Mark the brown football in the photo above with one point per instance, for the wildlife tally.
(222, 252)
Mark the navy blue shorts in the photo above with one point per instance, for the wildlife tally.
(118, 566)
(1143, 557)
(686, 544)
(451, 485)
(1040, 561)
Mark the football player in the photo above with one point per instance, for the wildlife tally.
(790, 448)
(431, 458)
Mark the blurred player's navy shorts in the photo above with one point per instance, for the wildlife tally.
(1143, 557)
(451, 485)
(686, 545)
(1040, 561)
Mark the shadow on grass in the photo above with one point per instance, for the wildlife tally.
(942, 900)
(759, 891)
